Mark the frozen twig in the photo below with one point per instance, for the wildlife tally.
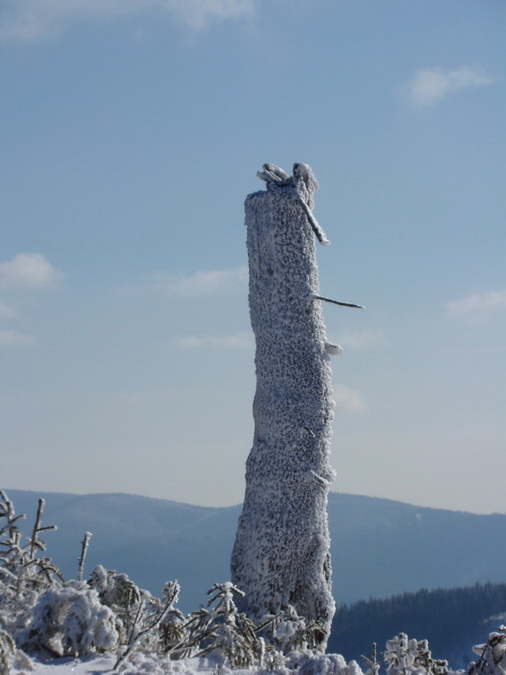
(337, 302)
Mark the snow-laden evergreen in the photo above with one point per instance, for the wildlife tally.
(281, 555)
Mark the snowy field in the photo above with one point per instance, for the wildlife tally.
(141, 663)
(104, 664)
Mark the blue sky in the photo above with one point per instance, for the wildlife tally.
(131, 132)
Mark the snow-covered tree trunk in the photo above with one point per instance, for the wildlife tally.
(281, 554)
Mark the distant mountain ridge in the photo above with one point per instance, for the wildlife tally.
(379, 547)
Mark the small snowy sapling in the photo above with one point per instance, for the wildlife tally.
(222, 631)
(158, 618)
(24, 574)
(492, 655)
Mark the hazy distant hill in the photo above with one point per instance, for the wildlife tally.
(379, 547)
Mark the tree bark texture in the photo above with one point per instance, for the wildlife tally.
(281, 554)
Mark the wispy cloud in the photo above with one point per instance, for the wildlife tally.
(478, 306)
(29, 271)
(200, 13)
(25, 272)
(6, 312)
(202, 282)
(31, 20)
(429, 86)
(242, 340)
(349, 400)
(361, 340)
(13, 338)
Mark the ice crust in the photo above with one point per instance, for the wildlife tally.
(281, 554)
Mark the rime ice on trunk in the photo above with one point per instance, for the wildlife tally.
(281, 554)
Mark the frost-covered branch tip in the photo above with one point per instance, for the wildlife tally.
(84, 548)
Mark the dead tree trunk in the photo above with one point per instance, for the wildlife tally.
(281, 555)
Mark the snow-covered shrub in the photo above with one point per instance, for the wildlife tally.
(70, 620)
(372, 663)
(20, 564)
(7, 650)
(405, 656)
(42, 612)
(158, 626)
(171, 629)
(222, 631)
(400, 654)
(325, 664)
(24, 574)
(288, 632)
(492, 655)
(39, 609)
(425, 660)
(121, 595)
(12, 658)
(271, 658)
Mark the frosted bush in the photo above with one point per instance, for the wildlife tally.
(12, 658)
(221, 631)
(289, 632)
(325, 664)
(122, 596)
(400, 654)
(271, 658)
(70, 621)
(115, 590)
(492, 655)
(168, 622)
(24, 574)
(7, 650)
(157, 624)
(405, 656)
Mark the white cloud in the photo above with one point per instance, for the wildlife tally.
(430, 85)
(203, 282)
(6, 312)
(350, 400)
(28, 20)
(361, 340)
(13, 338)
(236, 341)
(478, 305)
(199, 13)
(30, 271)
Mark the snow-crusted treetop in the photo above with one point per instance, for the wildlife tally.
(303, 184)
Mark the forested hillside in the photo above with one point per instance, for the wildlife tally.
(452, 620)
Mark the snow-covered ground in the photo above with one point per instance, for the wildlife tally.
(145, 664)
(140, 663)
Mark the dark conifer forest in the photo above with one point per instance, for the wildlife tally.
(452, 620)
